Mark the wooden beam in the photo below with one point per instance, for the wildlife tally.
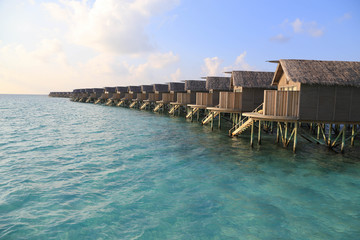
(212, 121)
(329, 137)
(343, 139)
(295, 136)
(259, 133)
(252, 134)
(352, 134)
(219, 122)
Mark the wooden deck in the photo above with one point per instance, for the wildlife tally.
(224, 110)
(259, 116)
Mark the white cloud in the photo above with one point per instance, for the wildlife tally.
(280, 38)
(345, 17)
(46, 69)
(212, 66)
(176, 75)
(115, 26)
(310, 28)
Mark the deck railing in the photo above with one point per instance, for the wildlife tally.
(281, 103)
(183, 98)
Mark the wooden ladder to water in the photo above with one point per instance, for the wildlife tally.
(210, 116)
(158, 107)
(192, 112)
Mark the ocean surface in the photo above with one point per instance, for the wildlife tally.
(83, 171)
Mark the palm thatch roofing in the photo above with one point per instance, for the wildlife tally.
(161, 87)
(122, 89)
(135, 89)
(76, 90)
(177, 86)
(110, 89)
(252, 79)
(218, 83)
(311, 72)
(195, 85)
(89, 90)
(147, 88)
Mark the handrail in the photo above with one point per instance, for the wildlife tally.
(244, 119)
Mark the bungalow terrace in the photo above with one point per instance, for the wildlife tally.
(95, 95)
(310, 91)
(248, 93)
(141, 97)
(130, 95)
(156, 95)
(171, 96)
(75, 95)
(85, 93)
(211, 98)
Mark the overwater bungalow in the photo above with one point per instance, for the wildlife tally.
(247, 95)
(208, 99)
(129, 95)
(94, 95)
(322, 93)
(142, 96)
(85, 93)
(156, 95)
(192, 87)
(75, 95)
(171, 96)
(106, 94)
(117, 96)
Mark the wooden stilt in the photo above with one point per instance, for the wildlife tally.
(343, 139)
(285, 134)
(353, 134)
(259, 133)
(329, 137)
(318, 131)
(271, 127)
(295, 136)
(278, 132)
(252, 134)
(192, 113)
(212, 121)
(219, 122)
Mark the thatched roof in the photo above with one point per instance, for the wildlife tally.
(76, 90)
(135, 89)
(161, 87)
(176, 86)
(97, 90)
(110, 89)
(218, 83)
(122, 89)
(319, 72)
(147, 88)
(89, 90)
(195, 85)
(251, 79)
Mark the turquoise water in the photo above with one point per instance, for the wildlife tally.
(83, 171)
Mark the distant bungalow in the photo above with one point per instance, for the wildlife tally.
(156, 95)
(164, 104)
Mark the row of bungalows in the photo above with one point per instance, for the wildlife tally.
(60, 94)
(322, 94)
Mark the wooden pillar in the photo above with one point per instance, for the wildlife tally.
(295, 136)
(219, 122)
(212, 121)
(343, 139)
(271, 126)
(192, 113)
(329, 137)
(278, 132)
(259, 133)
(352, 134)
(286, 131)
(318, 131)
(252, 134)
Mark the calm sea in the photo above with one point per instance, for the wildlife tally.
(84, 171)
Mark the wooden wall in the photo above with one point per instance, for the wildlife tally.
(129, 96)
(186, 98)
(168, 97)
(154, 97)
(329, 103)
(207, 99)
(141, 96)
(230, 100)
(281, 103)
(251, 98)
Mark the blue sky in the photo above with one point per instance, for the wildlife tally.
(61, 45)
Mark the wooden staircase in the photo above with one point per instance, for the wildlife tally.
(120, 103)
(210, 116)
(109, 102)
(132, 104)
(156, 109)
(88, 100)
(191, 113)
(245, 123)
(144, 105)
(97, 101)
(173, 109)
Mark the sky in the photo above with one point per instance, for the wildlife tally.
(60, 45)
